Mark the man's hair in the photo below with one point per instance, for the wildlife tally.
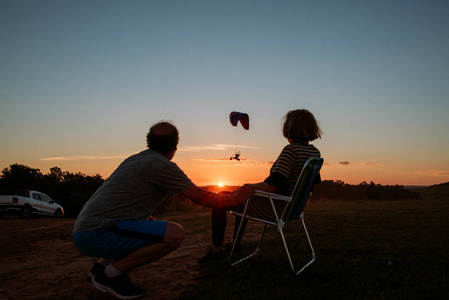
(301, 126)
(163, 137)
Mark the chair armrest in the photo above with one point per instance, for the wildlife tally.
(272, 196)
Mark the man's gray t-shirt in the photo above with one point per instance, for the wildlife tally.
(133, 191)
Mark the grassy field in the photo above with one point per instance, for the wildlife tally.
(395, 249)
(365, 250)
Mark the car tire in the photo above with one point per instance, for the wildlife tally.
(25, 213)
(58, 214)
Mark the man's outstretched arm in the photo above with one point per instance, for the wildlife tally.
(211, 199)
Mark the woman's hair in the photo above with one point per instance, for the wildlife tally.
(301, 126)
(163, 137)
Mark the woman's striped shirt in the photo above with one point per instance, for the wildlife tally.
(289, 164)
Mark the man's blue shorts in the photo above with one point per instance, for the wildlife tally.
(121, 239)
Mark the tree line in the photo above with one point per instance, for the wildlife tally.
(73, 190)
(70, 190)
(339, 190)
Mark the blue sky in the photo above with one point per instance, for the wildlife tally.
(82, 81)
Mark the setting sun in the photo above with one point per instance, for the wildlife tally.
(220, 184)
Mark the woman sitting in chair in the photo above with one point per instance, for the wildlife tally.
(300, 127)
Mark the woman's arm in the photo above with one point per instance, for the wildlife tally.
(263, 186)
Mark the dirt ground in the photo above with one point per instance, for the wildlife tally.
(39, 261)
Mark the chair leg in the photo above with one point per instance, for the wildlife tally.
(239, 231)
(251, 255)
(310, 244)
(288, 252)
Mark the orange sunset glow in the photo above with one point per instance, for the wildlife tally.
(82, 103)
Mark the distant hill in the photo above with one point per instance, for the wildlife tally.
(216, 188)
(438, 191)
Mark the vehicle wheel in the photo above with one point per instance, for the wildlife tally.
(26, 213)
(58, 214)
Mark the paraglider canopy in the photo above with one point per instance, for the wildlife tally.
(236, 117)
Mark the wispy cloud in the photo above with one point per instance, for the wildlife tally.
(213, 147)
(217, 159)
(85, 157)
(348, 163)
(433, 173)
(242, 163)
(370, 164)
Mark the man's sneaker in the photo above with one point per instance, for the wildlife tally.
(237, 250)
(119, 287)
(211, 258)
(95, 268)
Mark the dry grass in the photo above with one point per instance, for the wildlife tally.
(365, 250)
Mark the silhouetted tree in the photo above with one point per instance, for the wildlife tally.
(75, 190)
(19, 177)
(338, 190)
(70, 190)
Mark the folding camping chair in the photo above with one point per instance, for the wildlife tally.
(294, 209)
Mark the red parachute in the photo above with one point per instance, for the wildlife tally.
(235, 117)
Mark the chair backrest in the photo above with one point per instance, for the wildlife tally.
(303, 188)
